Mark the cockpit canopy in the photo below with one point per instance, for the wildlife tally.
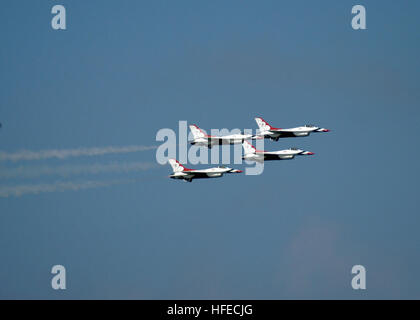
(309, 125)
(294, 149)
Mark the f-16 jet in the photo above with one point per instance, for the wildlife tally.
(203, 139)
(270, 132)
(251, 153)
(180, 172)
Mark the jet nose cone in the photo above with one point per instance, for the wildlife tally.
(308, 153)
(326, 130)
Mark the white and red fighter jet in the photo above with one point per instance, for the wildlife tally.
(270, 132)
(250, 153)
(180, 172)
(203, 139)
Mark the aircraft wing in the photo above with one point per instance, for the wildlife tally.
(227, 138)
(259, 159)
(196, 173)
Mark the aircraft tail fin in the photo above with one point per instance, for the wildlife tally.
(262, 124)
(197, 132)
(176, 166)
(248, 148)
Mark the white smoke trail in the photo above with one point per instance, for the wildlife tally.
(57, 186)
(67, 170)
(66, 153)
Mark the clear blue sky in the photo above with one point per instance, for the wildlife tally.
(124, 69)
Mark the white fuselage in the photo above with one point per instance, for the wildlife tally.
(210, 141)
(302, 131)
(286, 154)
(215, 172)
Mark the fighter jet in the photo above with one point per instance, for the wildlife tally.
(180, 172)
(202, 139)
(250, 153)
(272, 133)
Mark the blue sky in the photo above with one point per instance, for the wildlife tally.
(125, 69)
